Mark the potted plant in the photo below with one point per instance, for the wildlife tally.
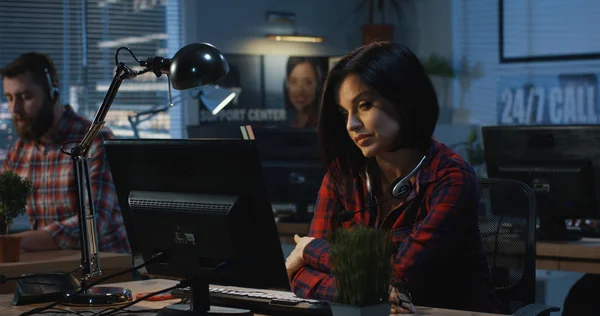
(381, 31)
(441, 72)
(362, 265)
(438, 66)
(473, 151)
(14, 191)
(466, 73)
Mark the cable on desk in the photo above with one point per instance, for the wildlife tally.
(115, 311)
(138, 311)
(185, 300)
(39, 310)
(55, 310)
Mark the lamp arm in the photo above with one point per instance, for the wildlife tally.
(90, 263)
(122, 72)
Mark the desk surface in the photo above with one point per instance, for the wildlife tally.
(6, 309)
(579, 256)
(586, 248)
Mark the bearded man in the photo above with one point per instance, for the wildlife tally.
(30, 85)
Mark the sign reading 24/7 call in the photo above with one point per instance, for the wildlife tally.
(548, 100)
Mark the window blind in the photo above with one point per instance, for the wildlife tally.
(82, 37)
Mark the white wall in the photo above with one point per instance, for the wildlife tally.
(239, 26)
(428, 28)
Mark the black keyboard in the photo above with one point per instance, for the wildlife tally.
(262, 301)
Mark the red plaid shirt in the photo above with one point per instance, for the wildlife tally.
(439, 253)
(53, 206)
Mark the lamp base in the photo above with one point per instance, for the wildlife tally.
(99, 296)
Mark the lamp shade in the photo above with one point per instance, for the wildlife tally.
(197, 64)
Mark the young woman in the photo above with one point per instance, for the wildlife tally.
(301, 90)
(377, 117)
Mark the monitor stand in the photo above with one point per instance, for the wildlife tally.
(555, 229)
(200, 304)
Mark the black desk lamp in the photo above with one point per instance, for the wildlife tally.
(194, 65)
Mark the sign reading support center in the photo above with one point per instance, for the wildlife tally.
(548, 100)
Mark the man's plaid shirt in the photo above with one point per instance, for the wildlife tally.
(53, 205)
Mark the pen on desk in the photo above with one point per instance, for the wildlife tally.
(157, 297)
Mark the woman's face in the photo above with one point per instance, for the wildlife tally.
(371, 128)
(302, 86)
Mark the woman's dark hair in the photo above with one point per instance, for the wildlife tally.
(394, 72)
(291, 64)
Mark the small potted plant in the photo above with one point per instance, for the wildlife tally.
(441, 72)
(379, 29)
(14, 191)
(473, 151)
(362, 265)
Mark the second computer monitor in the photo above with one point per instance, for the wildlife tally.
(292, 167)
(290, 160)
(561, 163)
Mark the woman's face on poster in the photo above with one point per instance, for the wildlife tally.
(302, 85)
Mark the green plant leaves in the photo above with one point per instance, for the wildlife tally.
(362, 265)
(438, 66)
(14, 191)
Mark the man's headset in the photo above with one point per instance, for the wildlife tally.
(53, 91)
(401, 189)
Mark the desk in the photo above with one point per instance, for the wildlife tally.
(60, 260)
(287, 231)
(6, 309)
(578, 256)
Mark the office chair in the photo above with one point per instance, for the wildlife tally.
(507, 222)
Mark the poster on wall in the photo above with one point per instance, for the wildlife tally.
(548, 100)
(270, 90)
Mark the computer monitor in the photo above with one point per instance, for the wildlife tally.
(203, 204)
(560, 162)
(214, 131)
(290, 161)
(292, 167)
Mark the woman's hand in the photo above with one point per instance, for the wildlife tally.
(401, 303)
(294, 261)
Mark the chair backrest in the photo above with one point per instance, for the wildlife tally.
(507, 222)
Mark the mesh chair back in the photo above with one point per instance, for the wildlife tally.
(507, 214)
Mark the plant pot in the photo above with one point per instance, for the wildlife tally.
(353, 310)
(10, 249)
(377, 32)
